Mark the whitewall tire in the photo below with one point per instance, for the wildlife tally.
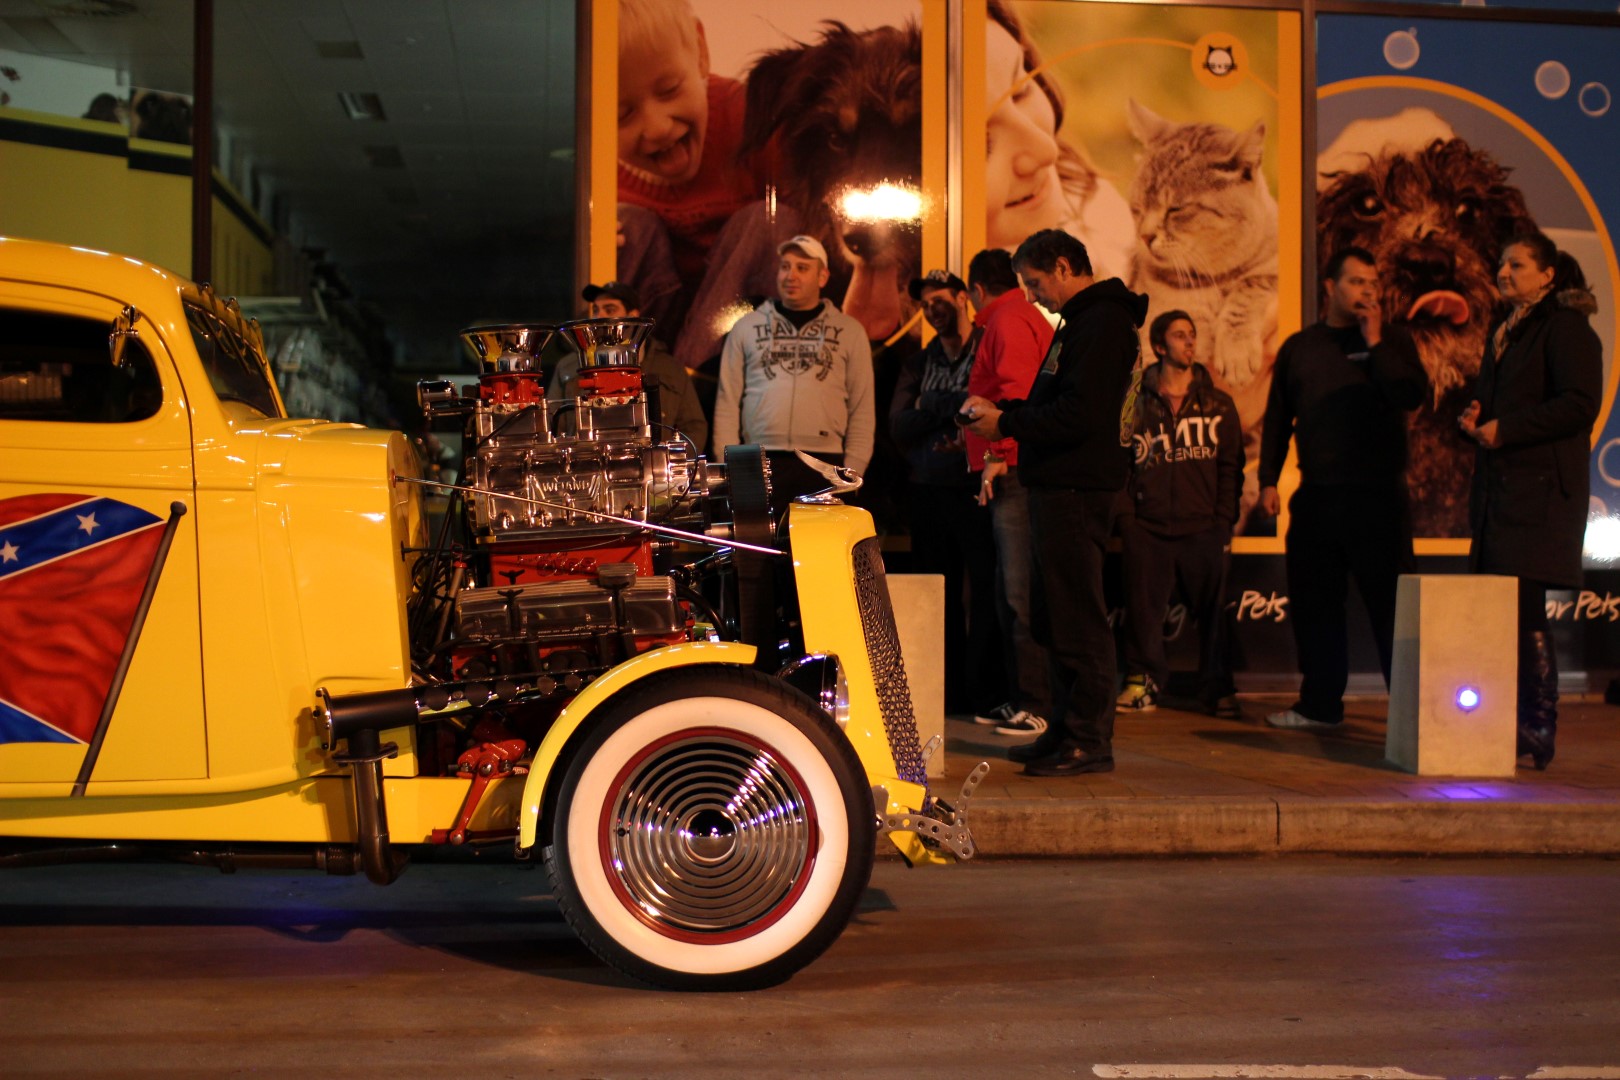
(714, 831)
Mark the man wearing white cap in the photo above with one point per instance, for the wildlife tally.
(796, 374)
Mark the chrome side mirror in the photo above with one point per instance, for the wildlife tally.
(123, 329)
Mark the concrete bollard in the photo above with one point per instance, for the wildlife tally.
(919, 618)
(1454, 634)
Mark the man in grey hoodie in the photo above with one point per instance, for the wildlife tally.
(796, 374)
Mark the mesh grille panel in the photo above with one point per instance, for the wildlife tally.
(888, 668)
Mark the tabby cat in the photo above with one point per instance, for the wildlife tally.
(1207, 229)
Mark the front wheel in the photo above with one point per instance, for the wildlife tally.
(714, 831)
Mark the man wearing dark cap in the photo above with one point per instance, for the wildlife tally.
(678, 407)
(950, 531)
(796, 374)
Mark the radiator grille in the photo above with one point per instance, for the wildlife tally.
(888, 667)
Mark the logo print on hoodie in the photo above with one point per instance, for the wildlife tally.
(806, 352)
(1196, 438)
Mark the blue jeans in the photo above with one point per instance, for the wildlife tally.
(1028, 677)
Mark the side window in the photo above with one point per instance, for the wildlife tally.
(58, 368)
(236, 371)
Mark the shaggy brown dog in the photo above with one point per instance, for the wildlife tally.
(1436, 219)
(844, 115)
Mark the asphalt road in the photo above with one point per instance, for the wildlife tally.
(1305, 967)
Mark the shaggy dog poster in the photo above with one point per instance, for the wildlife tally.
(1436, 140)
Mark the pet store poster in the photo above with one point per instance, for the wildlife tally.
(1476, 126)
(1167, 139)
(728, 126)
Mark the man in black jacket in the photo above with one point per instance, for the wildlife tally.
(950, 531)
(1184, 490)
(1074, 457)
(1341, 387)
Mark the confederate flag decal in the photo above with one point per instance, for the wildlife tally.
(72, 570)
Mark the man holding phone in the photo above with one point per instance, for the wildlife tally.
(1341, 388)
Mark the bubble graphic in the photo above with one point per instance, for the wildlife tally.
(1552, 80)
(1605, 469)
(1401, 49)
(1593, 99)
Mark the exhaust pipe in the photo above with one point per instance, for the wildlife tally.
(357, 719)
(380, 861)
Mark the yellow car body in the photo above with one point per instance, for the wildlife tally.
(287, 572)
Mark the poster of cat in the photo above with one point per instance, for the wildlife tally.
(1158, 136)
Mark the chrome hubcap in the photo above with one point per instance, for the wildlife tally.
(707, 834)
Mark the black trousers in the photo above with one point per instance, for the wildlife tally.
(1069, 536)
(1153, 566)
(950, 535)
(1335, 533)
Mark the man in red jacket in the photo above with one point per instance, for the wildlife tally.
(1014, 337)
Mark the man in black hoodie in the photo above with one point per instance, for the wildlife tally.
(1073, 452)
(1184, 490)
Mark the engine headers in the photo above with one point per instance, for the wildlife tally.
(545, 466)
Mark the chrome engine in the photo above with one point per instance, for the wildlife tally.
(582, 532)
(555, 467)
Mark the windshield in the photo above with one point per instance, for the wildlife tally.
(238, 373)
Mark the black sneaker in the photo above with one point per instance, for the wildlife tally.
(997, 716)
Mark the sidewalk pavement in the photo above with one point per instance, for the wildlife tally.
(1188, 784)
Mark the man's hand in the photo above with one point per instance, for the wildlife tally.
(1371, 317)
(987, 481)
(980, 416)
(1484, 434)
(1270, 501)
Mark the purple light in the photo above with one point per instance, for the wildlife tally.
(1468, 699)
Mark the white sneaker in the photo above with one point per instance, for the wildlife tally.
(1290, 720)
(1001, 714)
(1022, 722)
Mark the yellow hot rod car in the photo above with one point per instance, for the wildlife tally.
(228, 635)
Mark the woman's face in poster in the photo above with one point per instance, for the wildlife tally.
(1022, 191)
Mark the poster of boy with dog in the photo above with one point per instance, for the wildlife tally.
(741, 124)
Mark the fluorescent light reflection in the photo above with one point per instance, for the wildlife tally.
(885, 202)
(1602, 544)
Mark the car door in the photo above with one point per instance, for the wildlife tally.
(96, 523)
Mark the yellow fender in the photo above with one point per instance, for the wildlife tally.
(686, 654)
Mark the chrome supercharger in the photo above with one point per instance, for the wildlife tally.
(572, 504)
